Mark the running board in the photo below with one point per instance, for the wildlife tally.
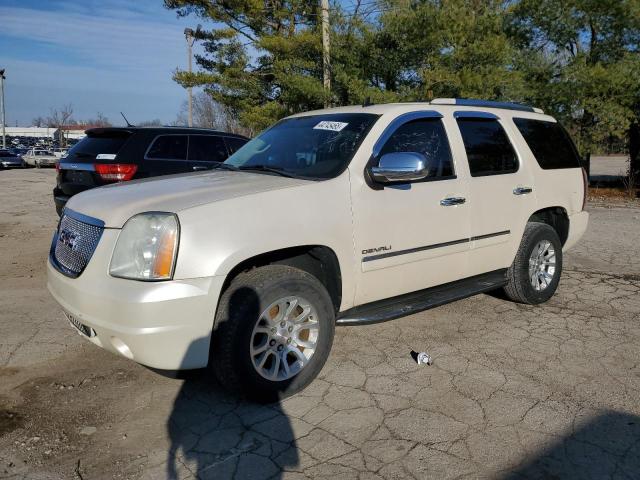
(414, 302)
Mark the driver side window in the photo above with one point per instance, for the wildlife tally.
(428, 137)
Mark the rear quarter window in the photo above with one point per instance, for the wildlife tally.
(235, 143)
(549, 143)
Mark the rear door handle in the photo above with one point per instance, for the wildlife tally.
(451, 201)
(199, 168)
(522, 190)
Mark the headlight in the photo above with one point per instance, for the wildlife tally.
(146, 248)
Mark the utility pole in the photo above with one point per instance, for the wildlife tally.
(189, 35)
(4, 119)
(326, 58)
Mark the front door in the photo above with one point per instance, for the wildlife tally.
(414, 235)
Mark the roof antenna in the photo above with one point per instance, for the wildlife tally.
(127, 121)
(367, 102)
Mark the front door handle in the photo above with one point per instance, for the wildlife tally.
(451, 201)
(522, 190)
(199, 168)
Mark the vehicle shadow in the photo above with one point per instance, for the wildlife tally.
(605, 446)
(216, 434)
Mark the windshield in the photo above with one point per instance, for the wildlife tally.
(317, 146)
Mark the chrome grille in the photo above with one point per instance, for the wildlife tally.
(74, 242)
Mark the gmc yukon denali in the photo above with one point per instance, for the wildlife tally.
(344, 216)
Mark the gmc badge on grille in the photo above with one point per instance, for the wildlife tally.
(69, 238)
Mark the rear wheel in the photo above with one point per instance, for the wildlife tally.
(273, 332)
(534, 275)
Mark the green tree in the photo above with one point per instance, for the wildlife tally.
(263, 62)
(582, 62)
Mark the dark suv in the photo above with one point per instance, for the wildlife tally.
(108, 155)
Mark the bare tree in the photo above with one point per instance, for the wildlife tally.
(59, 119)
(39, 122)
(207, 113)
(150, 123)
(99, 121)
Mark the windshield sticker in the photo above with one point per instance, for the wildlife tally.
(331, 126)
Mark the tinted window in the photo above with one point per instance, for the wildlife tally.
(207, 148)
(425, 136)
(235, 143)
(169, 147)
(489, 151)
(312, 146)
(549, 143)
(93, 145)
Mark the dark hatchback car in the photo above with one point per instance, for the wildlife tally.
(108, 155)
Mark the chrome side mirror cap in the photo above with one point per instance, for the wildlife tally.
(400, 167)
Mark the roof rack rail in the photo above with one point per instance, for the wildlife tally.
(473, 102)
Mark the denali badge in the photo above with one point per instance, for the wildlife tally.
(69, 238)
(376, 250)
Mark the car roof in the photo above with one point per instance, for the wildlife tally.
(160, 130)
(442, 106)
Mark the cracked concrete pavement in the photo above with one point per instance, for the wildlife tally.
(515, 391)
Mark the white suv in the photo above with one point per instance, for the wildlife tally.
(345, 216)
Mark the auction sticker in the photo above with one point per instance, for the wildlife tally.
(332, 126)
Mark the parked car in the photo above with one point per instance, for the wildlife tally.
(109, 155)
(59, 152)
(9, 159)
(40, 158)
(347, 216)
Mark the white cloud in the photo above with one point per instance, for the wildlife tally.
(100, 55)
(124, 40)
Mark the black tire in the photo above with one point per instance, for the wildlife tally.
(248, 295)
(519, 287)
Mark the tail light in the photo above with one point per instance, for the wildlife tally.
(585, 182)
(57, 167)
(116, 172)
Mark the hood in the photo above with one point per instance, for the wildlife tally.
(115, 204)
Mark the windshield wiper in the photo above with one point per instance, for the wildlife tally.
(224, 166)
(265, 168)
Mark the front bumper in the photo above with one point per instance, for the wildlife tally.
(164, 325)
(12, 164)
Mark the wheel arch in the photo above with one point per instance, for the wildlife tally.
(556, 217)
(318, 260)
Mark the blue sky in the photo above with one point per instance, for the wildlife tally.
(100, 55)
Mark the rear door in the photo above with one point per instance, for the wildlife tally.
(205, 151)
(501, 190)
(167, 154)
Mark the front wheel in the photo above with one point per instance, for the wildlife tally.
(273, 332)
(534, 275)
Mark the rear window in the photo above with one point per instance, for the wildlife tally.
(169, 147)
(94, 145)
(488, 148)
(549, 143)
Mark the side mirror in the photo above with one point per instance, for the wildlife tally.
(400, 167)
